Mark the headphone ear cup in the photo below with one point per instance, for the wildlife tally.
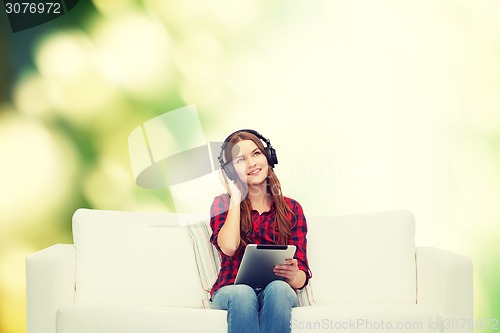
(230, 172)
(271, 156)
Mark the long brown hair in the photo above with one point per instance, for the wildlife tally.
(284, 215)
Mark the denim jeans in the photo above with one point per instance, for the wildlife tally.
(268, 310)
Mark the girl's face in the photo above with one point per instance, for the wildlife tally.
(249, 162)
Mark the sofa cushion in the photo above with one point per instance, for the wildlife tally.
(355, 318)
(135, 319)
(408, 318)
(363, 259)
(134, 258)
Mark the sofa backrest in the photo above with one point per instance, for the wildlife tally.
(145, 258)
(134, 258)
(363, 258)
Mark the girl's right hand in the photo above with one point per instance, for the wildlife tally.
(230, 186)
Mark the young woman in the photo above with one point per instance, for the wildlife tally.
(254, 211)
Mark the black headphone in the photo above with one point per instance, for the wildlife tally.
(228, 166)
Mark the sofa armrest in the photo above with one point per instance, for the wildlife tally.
(444, 282)
(50, 283)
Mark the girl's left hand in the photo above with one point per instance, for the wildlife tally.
(288, 271)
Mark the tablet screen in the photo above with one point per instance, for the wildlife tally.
(256, 268)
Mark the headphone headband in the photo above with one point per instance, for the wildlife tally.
(270, 153)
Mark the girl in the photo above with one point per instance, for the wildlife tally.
(254, 211)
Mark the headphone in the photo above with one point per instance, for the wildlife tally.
(228, 167)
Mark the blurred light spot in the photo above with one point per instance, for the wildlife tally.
(12, 257)
(199, 59)
(108, 7)
(477, 186)
(36, 173)
(180, 14)
(109, 185)
(236, 14)
(12, 286)
(68, 63)
(202, 92)
(31, 95)
(198, 51)
(64, 55)
(134, 53)
(478, 92)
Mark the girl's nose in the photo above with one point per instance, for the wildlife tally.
(250, 161)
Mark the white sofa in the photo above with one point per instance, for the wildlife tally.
(136, 272)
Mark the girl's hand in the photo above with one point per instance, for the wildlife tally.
(230, 186)
(288, 271)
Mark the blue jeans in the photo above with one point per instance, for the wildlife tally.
(268, 310)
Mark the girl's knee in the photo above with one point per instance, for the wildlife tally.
(242, 291)
(280, 290)
(279, 287)
(234, 295)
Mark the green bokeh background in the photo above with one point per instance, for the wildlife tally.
(372, 105)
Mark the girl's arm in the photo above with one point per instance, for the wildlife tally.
(229, 234)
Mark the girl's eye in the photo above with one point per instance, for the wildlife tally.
(239, 160)
(257, 153)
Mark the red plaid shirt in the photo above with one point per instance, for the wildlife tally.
(262, 234)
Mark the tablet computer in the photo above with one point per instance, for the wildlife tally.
(256, 268)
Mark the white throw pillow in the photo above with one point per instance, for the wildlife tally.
(134, 258)
(363, 258)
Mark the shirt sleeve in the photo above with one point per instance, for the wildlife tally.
(218, 214)
(299, 238)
